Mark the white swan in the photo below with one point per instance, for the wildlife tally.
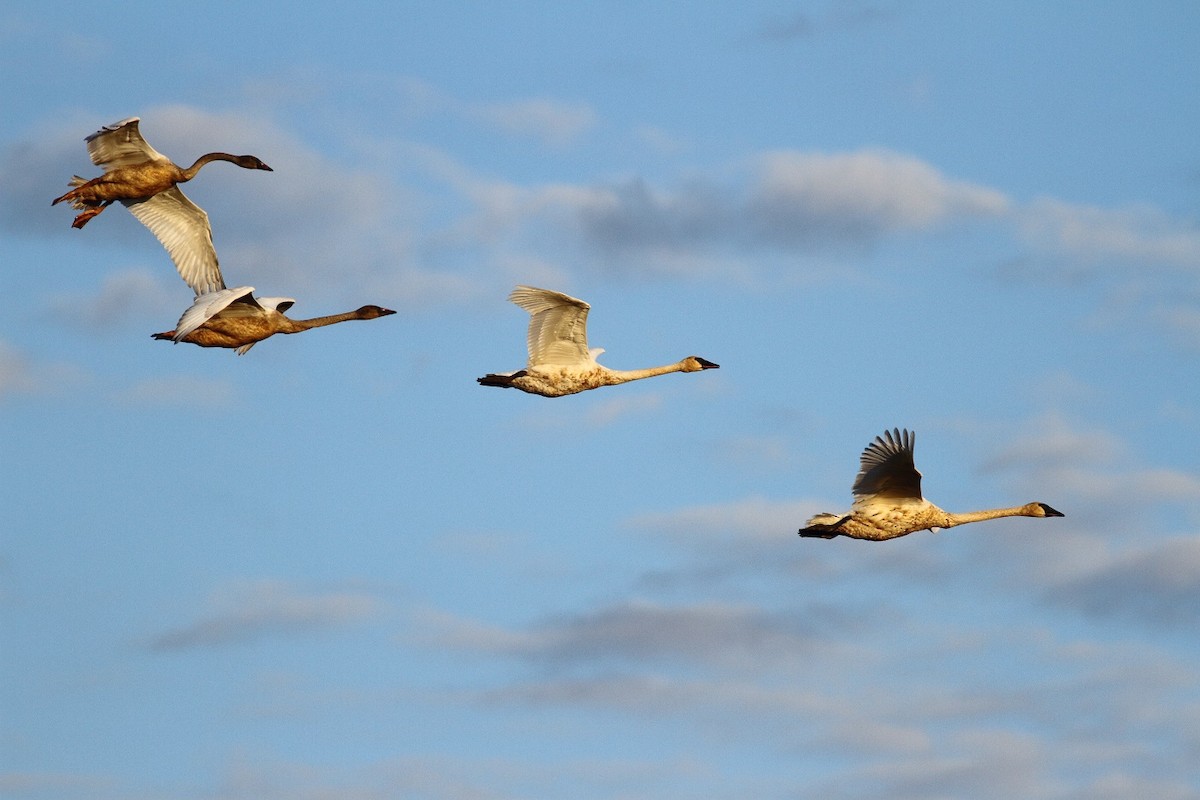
(888, 501)
(560, 362)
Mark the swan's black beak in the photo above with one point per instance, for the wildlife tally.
(705, 364)
(383, 312)
(265, 168)
(1050, 512)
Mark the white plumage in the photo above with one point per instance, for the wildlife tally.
(560, 362)
(888, 501)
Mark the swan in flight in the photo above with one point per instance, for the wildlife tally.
(135, 173)
(219, 317)
(234, 318)
(888, 501)
(560, 362)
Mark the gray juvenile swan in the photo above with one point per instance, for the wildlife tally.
(134, 173)
(236, 319)
(560, 362)
(888, 501)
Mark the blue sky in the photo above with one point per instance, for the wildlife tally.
(337, 567)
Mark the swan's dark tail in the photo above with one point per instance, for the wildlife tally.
(823, 526)
(499, 379)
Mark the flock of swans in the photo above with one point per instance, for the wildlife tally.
(887, 491)
(147, 183)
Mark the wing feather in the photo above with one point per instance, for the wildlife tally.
(184, 230)
(887, 469)
(208, 305)
(557, 326)
(279, 304)
(120, 145)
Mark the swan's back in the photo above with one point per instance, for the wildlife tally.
(887, 471)
(236, 302)
(557, 326)
(120, 145)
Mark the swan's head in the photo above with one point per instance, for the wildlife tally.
(696, 363)
(1042, 510)
(251, 162)
(373, 312)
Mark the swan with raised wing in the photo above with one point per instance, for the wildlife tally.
(134, 172)
(236, 319)
(888, 501)
(560, 362)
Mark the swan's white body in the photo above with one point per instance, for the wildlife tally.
(888, 501)
(560, 361)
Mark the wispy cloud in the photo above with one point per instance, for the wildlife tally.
(781, 201)
(1097, 236)
(47, 784)
(254, 610)
(550, 121)
(642, 632)
(802, 25)
(1158, 584)
(16, 373)
(1051, 443)
(22, 375)
(122, 296)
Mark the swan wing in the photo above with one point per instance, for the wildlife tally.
(120, 145)
(887, 470)
(279, 304)
(557, 326)
(208, 305)
(183, 228)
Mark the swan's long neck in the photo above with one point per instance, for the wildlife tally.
(988, 513)
(207, 158)
(288, 325)
(627, 375)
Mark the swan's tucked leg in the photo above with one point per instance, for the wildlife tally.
(83, 218)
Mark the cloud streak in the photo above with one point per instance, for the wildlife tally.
(252, 611)
(1158, 585)
(641, 632)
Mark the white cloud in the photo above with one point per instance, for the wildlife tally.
(1092, 235)
(801, 197)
